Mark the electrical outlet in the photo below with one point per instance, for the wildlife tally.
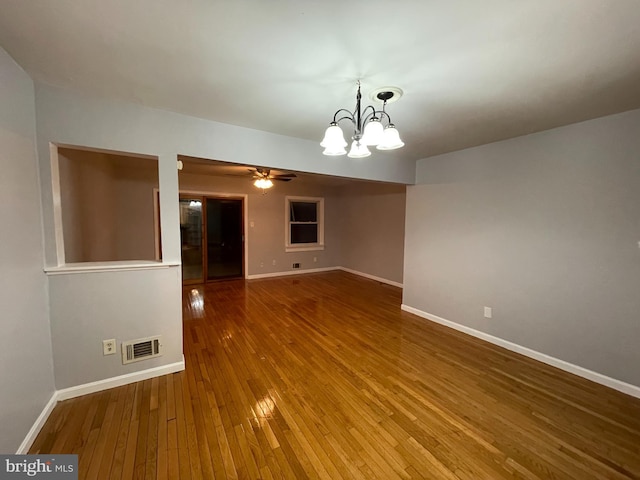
(109, 346)
(261, 264)
(315, 259)
(273, 263)
(488, 312)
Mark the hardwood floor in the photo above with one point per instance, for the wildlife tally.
(323, 376)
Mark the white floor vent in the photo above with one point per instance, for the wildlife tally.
(141, 349)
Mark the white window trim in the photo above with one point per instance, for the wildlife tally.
(303, 247)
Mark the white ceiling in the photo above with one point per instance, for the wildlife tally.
(472, 71)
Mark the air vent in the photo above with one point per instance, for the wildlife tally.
(141, 349)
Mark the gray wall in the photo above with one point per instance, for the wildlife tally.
(125, 305)
(72, 119)
(372, 229)
(544, 229)
(26, 372)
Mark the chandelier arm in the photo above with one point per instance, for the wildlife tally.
(360, 118)
(384, 114)
(367, 117)
(350, 117)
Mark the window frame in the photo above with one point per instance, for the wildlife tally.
(303, 247)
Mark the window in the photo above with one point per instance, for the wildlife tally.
(304, 223)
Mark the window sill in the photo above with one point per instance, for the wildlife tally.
(95, 267)
(303, 248)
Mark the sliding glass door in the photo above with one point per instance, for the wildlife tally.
(212, 238)
(191, 239)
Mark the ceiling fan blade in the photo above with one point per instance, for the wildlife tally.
(281, 179)
(285, 175)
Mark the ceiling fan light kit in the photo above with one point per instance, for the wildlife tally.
(263, 183)
(264, 178)
(368, 127)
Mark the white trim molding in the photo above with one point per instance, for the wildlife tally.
(324, 269)
(303, 247)
(372, 277)
(99, 267)
(596, 377)
(98, 386)
(87, 388)
(290, 272)
(37, 426)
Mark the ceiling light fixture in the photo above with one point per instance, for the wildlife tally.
(368, 128)
(263, 183)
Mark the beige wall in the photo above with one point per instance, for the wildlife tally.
(372, 229)
(266, 238)
(364, 224)
(107, 206)
(136, 179)
(108, 214)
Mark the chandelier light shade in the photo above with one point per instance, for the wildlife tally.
(334, 151)
(333, 137)
(368, 127)
(390, 139)
(358, 150)
(334, 141)
(373, 132)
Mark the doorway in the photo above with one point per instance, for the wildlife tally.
(211, 237)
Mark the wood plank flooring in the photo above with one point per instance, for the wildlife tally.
(323, 376)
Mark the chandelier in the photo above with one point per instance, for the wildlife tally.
(368, 127)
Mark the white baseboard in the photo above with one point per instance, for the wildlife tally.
(85, 389)
(372, 277)
(596, 377)
(37, 426)
(325, 269)
(291, 272)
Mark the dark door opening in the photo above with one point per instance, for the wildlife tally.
(225, 239)
(212, 238)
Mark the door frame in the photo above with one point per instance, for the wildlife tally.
(245, 224)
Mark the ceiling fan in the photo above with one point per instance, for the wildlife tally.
(263, 177)
(266, 174)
